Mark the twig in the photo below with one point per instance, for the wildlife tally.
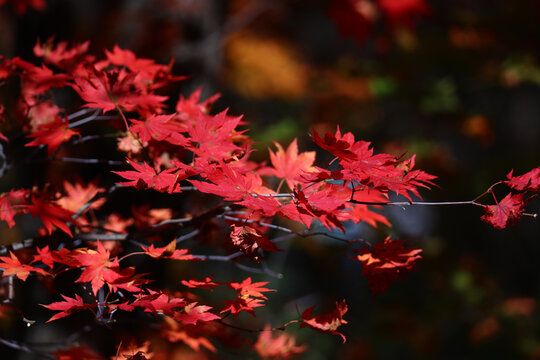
(281, 328)
(89, 161)
(85, 120)
(22, 347)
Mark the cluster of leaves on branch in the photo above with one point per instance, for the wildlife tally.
(178, 153)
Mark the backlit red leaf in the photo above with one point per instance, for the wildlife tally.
(12, 266)
(67, 306)
(507, 212)
(52, 215)
(529, 181)
(52, 134)
(387, 261)
(327, 323)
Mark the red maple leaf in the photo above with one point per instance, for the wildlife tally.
(362, 167)
(77, 195)
(290, 165)
(249, 296)
(37, 80)
(95, 263)
(242, 304)
(361, 211)
(529, 181)
(156, 127)
(61, 56)
(125, 279)
(205, 283)
(266, 205)
(12, 266)
(157, 302)
(67, 307)
(248, 289)
(145, 176)
(327, 323)
(169, 252)
(13, 203)
(148, 74)
(230, 183)
(52, 215)
(249, 240)
(280, 347)
(189, 334)
(507, 212)
(387, 261)
(193, 313)
(324, 205)
(111, 89)
(52, 134)
(45, 256)
(190, 108)
(338, 145)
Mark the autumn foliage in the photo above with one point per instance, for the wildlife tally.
(199, 162)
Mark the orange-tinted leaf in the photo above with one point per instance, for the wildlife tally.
(189, 334)
(78, 195)
(290, 165)
(242, 304)
(327, 323)
(170, 252)
(249, 296)
(193, 313)
(131, 351)
(248, 289)
(12, 266)
(282, 346)
(387, 261)
(205, 283)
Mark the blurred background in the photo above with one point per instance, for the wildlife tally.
(456, 82)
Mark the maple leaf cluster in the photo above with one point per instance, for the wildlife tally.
(191, 156)
(510, 209)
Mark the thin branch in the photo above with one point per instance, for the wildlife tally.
(85, 120)
(22, 347)
(79, 113)
(89, 161)
(281, 328)
(103, 237)
(272, 226)
(92, 137)
(408, 203)
(187, 236)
